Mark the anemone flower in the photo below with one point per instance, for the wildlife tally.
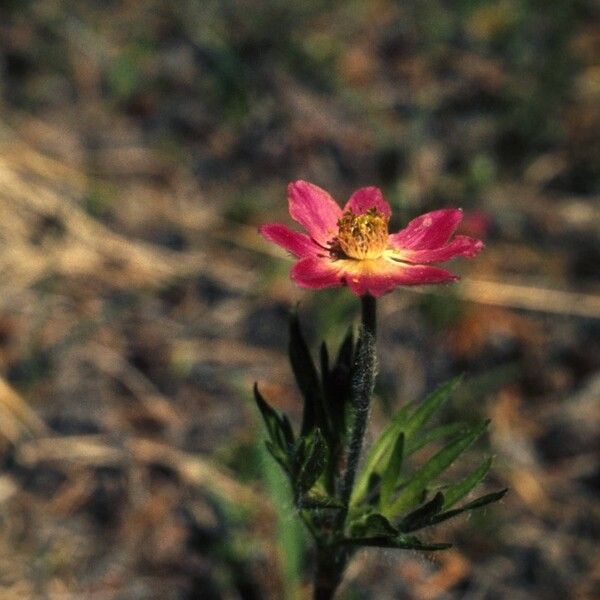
(352, 247)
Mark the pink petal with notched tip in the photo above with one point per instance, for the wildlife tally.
(364, 199)
(314, 272)
(461, 245)
(299, 244)
(430, 230)
(315, 209)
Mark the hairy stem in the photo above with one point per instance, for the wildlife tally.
(363, 382)
(369, 314)
(331, 560)
(330, 570)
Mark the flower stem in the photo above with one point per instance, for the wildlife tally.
(363, 382)
(330, 569)
(331, 560)
(369, 314)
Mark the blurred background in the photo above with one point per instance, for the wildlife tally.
(143, 143)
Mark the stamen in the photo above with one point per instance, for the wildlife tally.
(362, 236)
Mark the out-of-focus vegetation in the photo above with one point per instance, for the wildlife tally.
(141, 143)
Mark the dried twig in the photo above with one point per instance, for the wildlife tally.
(16, 417)
(96, 451)
(529, 297)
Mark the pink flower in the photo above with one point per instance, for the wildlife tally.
(352, 246)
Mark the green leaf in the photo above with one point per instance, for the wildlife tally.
(430, 406)
(290, 539)
(331, 401)
(278, 426)
(407, 542)
(324, 357)
(459, 490)
(477, 503)
(378, 450)
(307, 378)
(391, 472)
(278, 454)
(372, 525)
(346, 352)
(269, 415)
(402, 421)
(436, 465)
(411, 542)
(312, 461)
(315, 500)
(435, 434)
(428, 510)
(336, 386)
(286, 430)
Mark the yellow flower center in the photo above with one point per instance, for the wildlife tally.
(362, 236)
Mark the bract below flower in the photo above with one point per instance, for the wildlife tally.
(352, 246)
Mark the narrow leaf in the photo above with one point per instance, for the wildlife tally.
(411, 542)
(278, 426)
(324, 357)
(286, 430)
(314, 463)
(346, 352)
(279, 456)
(318, 501)
(435, 434)
(437, 464)
(268, 413)
(430, 406)
(289, 535)
(333, 400)
(372, 525)
(391, 472)
(459, 490)
(307, 378)
(378, 450)
(400, 422)
(477, 503)
(400, 542)
(337, 384)
(422, 513)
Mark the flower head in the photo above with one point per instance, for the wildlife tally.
(352, 246)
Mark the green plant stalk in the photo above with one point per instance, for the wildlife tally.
(331, 561)
(361, 397)
(329, 572)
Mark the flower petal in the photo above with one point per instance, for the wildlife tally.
(379, 276)
(315, 209)
(316, 273)
(461, 245)
(364, 199)
(299, 244)
(431, 230)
